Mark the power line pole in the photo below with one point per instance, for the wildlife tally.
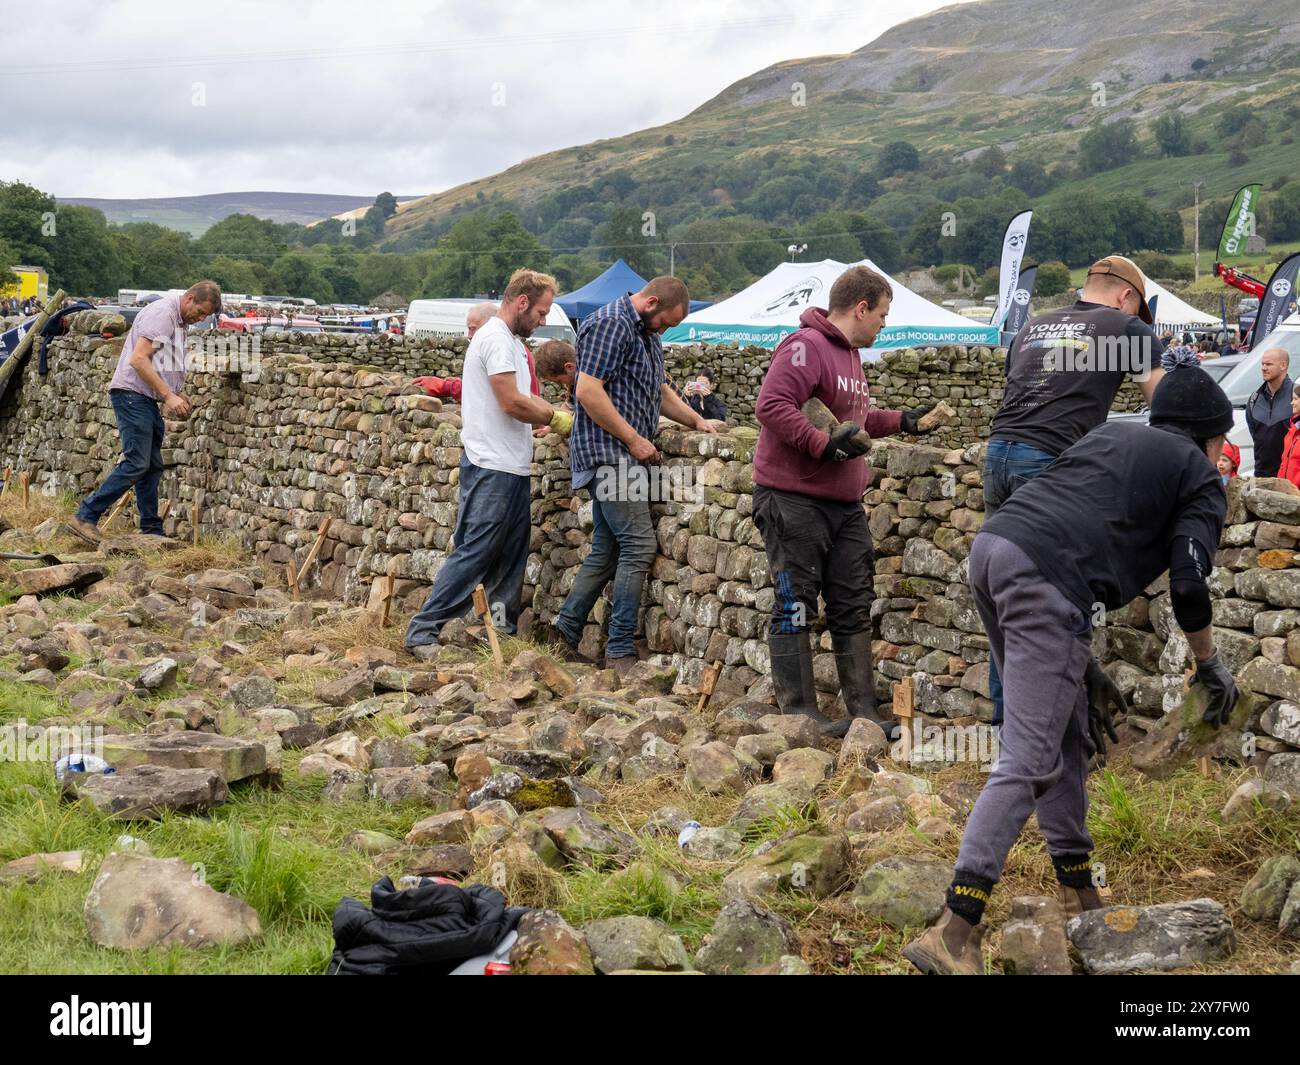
(1196, 231)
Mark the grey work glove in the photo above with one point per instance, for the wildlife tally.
(1220, 688)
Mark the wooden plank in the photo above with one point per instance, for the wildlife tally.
(708, 681)
(24, 478)
(9, 476)
(481, 609)
(321, 530)
(384, 617)
(194, 522)
(118, 507)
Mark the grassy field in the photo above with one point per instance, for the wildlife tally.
(283, 851)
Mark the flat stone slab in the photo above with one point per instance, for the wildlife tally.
(235, 759)
(138, 902)
(34, 866)
(70, 576)
(146, 791)
(1171, 935)
(133, 543)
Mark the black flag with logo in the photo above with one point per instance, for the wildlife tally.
(1279, 298)
(1019, 312)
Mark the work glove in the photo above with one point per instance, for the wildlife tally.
(562, 422)
(842, 446)
(911, 417)
(1103, 695)
(1220, 688)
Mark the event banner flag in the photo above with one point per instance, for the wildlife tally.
(1279, 297)
(1240, 222)
(1013, 250)
(1019, 310)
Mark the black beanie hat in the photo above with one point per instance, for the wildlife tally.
(1189, 398)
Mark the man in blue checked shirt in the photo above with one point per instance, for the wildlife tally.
(621, 390)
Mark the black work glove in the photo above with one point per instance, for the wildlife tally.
(911, 417)
(1103, 695)
(842, 446)
(1219, 687)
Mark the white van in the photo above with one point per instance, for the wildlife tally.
(427, 318)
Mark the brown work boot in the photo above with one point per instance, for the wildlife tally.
(84, 531)
(949, 948)
(561, 648)
(1075, 900)
(622, 665)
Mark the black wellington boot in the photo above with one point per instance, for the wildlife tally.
(792, 676)
(857, 683)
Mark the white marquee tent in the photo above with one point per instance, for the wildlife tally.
(1175, 314)
(769, 309)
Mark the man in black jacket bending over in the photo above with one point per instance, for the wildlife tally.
(1117, 509)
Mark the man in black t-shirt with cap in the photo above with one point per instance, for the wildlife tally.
(1064, 369)
(1116, 510)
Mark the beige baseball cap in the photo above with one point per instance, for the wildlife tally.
(1127, 271)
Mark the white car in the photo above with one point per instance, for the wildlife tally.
(1242, 381)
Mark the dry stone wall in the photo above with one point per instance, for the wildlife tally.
(266, 458)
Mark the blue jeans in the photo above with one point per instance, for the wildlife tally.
(492, 531)
(623, 545)
(1007, 465)
(140, 423)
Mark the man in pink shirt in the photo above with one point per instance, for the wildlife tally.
(148, 381)
(808, 488)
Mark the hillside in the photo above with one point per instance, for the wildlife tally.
(1018, 74)
(194, 214)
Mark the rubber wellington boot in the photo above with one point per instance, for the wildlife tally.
(792, 676)
(949, 948)
(857, 683)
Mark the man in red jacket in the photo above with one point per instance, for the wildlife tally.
(808, 488)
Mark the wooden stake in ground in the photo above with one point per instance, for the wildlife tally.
(162, 510)
(118, 507)
(9, 476)
(23, 478)
(708, 681)
(388, 601)
(904, 709)
(296, 578)
(194, 522)
(481, 609)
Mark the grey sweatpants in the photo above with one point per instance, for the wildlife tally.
(1040, 642)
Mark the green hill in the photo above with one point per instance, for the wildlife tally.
(1028, 77)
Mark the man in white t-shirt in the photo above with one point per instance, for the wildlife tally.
(498, 412)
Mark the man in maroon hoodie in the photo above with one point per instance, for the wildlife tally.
(808, 488)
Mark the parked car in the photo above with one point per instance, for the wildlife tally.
(1241, 380)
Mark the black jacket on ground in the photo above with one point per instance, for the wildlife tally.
(423, 931)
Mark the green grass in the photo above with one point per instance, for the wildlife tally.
(281, 852)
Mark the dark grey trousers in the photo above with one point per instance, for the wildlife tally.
(1040, 642)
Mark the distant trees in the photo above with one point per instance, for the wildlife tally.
(387, 203)
(897, 157)
(1172, 135)
(1108, 145)
(1052, 279)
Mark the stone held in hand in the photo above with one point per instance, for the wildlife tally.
(941, 415)
(820, 415)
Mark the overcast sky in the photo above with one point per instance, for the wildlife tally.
(145, 98)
